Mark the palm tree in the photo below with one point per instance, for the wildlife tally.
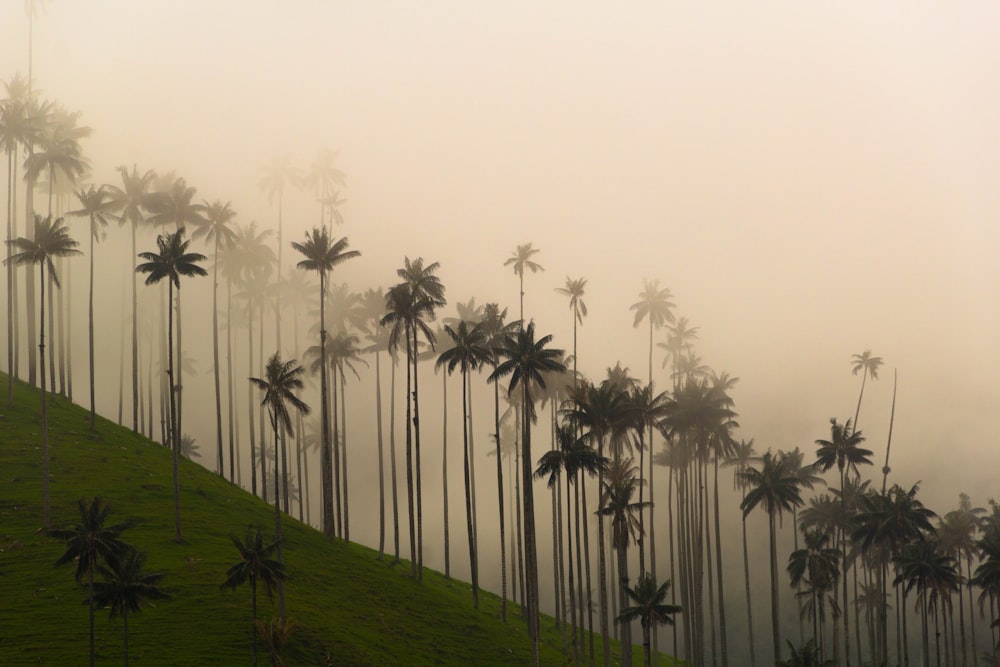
(774, 487)
(525, 361)
(321, 255)
(844, 450)
(373, 302)
(322, 177)
(808, 655)
(277, 175)
(868, 365)
(171, 261)
(408, 304)
(59, 151)
(88, 543)
(51, 239)
(521, 260)
(469, 352)
(655, 304)
(741, 457)
(650, 609)
(255, 565)
(97, 204)
(497, 331)
(132, 200)
(126, 587)
(923, 567)
(817, 564)
(343, 352)
(281, 381)
(215, 229)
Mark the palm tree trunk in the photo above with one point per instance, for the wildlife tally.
(135, 341)
(229, 383)
(45, 415)
(260, 412)
(409, 457)
(775, 627)
(473, 557)
(626, 638)
(10, 282)
(417, 465)
(90, 327)
(602, 574)
(723, 643)
(325, 453)
(253, 625)
(277, 517)
(174, 435)
(215, 352)
(343, 452)
(571, 581)
(253, 444)
(503, 547)
(392, 459)
(90, 605)
(530, 552)
(746, 582)
(472, 470)
(338, 497)
(381, 464)
(586, 556)
(444, 473)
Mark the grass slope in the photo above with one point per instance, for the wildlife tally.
(352, 608)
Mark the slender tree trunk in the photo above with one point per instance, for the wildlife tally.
(473, 557)
(417, 464)
(174, 434)
(229, 380)
(602, 574)
(444, 474)
(253, 444)
(626, 639)
(277, 517)
(503, 549)
(530, 555)
(381, 464)
(572, 582)
(746, 582)
(414, 564)
(343, 452)
(338, 497)
(775, 626)
(45, 414)
(586, 555)
(135, 340)
(392, 459)
(221, 468)
(253, 625)
(90, 327)
(261, 431)
(325, 462)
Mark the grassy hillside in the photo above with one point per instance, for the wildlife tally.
(352, 609)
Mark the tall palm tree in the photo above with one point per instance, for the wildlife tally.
(88, 543)
(343, 353)
(132, 200)
(774, 487)
(816, 564)
(279, 174)
(650, 608)
(126, 587)
(655, 305)
(322, 254)
(323, 176)
(470, 351)
(255, 565)
(844, 450)
(409, 303)
(373, 302)
(498, 331)
(51, 239)
(280, 384)
(171, 261)
(216, 230)
(59, 151)
(525, 361)
(923, 567)
(868, 366)
(96, 204)
(521, 260)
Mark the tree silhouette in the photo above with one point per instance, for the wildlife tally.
(868, 365)
(649, 608)
(321, 255)
(171, 261)
(51, 239)
(126, 587)
(88, 543)
(256, 566)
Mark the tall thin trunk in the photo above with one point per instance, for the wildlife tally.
(174, 435)
(277, 515)
(409, 457)
(417, 465)
(90, 328)
(586, 555)
(45, 414)
(775, 627)
(250, 402)
(381, 464)
(444, 474)
(135, 340)
(626, 638)
(337, 495)
(343, 453)
(229, 379)
(221, 469)
(325, 462)
(392, 459)
(473, 557)
(530, 552)
(572, 582)
(746, 581)
(602, 575)
(723, 643)
(503, 550)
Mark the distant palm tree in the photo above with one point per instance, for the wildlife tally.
(126, 587)
(51, 239)
(521, 260)
(374, 305)
(844, 450)
(816, 564)
(88, 543)
(650, 609)
(923, 567)
(655, 304)
(171, 261)
(868, 365)
(132, 200)
(322, 254)
(470, 350)
(808, 655)
(280, 384)
(774, 487)
(216, 230)
(96, 204)
(255, 565)
(323, 176)
(279, 174)
(525, 361)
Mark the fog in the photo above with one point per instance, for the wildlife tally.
(810, 180)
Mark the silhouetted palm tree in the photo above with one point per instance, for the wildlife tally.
(279, 174)
(88, 543)
(97, 204)
(773, 486)
(216, 230)
(171, 261)
(469, 352)
(521, 260)
(650, 609)
(525, 361)
(126, 587)
(321, 255)
(255, 565)
(322, 177)
(51, 239)
(280, 384)
(868, 365)
(817, 565)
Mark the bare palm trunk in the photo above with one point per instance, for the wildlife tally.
(174, 436)
(45, 415)
(602, 575)
(229, 380)
(135, 341)
(220, 467)
(392, 459)
(409, 457)
(338, 498)
(277, 516)
(473, 558)
(90, 329)
(253, 440)
(530, 552)
(503, 550)
(381, 464)
(325, 453)
(343, 452)
(444, 474)
(417, 466)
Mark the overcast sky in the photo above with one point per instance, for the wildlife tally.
(810, 179)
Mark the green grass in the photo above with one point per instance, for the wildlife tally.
(352, 609)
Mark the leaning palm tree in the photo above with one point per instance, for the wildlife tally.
(215, 229)
(470, 351)
(322, 254)
(255, 565)
(650, 609)
(126, 587)
(868, 366)
(525, 361)
(774, 487)
(51, 239)
(97, 204)
(171, 261)
(88, 543)
(281, 381)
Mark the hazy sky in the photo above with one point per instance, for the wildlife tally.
(810, 179)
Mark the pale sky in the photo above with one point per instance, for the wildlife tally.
(810, 179)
